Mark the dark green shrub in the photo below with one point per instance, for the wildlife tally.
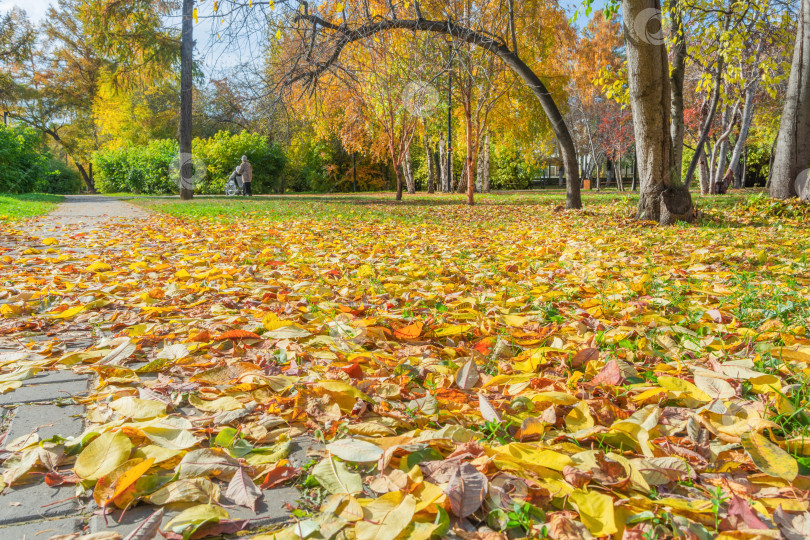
(152, 168)
(223, 152)
(28, 166)
(59, 178)
(137, 169)
(23, 158)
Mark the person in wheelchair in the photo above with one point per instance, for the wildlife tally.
(234, 185)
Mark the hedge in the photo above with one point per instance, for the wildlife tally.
(151, 169)
(29, 167)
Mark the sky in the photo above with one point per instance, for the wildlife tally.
(218, 59)
(36, 9)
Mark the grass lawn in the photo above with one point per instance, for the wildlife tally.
(17, 207)
(414, 207)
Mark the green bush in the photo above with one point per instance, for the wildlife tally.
(23, 159)
(28, 166)
(508, 170)
(59, 179)
(223, 152)
(137, 169)
(149, 169)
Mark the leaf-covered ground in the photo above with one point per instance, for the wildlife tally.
(507, 369)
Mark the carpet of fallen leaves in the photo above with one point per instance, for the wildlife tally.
(487, 372)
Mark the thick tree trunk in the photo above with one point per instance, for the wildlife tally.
(88, 179)
(186, 90)
(676, 78)
(663, 197)
(469, 159)
(793, 144)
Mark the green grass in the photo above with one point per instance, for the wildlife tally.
(420, 207)
(17, 207)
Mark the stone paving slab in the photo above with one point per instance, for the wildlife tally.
(41, 530)
(36, 501)
(44, 392)
(270, 511)
(46, 421)
(54, 377)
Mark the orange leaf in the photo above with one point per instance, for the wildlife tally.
(354, 371)
(279, 475)
(412, 331)
(237, 334)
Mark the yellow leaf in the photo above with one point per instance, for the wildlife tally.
(138, 409)
(365, 270)
(9, 386)
(99, 266)
(596, 511)
(112, 486)
(388, 519)
(105, 453)
(579, 418)
(530, 454)
(194, 15)
(50, 242)
(770, 458)
(68, 313)
(680, 387)
(452, 330)
(225, 403)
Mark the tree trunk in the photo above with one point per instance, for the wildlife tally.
(793, 144)
(747, 117)
(442, 164)
(398, 172)
(663, 197)
(715, 100)
(485, 180)
(676, 78)
(407, 168)
(634, 183)
(186, 90)
(479, 167)
(469, 159)
(431, 169)
(705, 181)
(89, 181)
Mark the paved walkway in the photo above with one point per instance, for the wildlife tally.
(44, 405)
